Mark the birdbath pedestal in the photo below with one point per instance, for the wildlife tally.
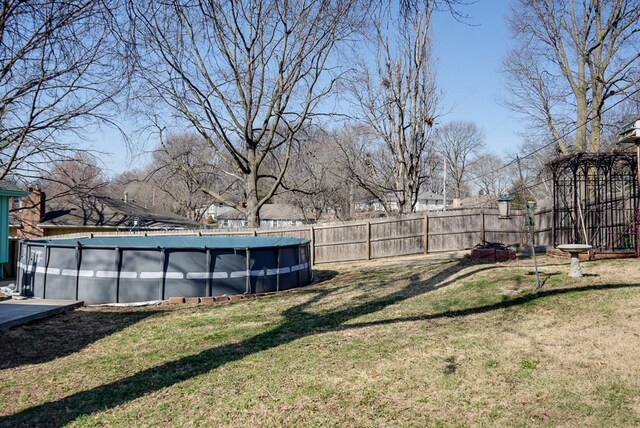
(575, 271)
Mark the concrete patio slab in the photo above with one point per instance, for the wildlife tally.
(17, 312)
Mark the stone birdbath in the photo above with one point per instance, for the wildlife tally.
(574, 250)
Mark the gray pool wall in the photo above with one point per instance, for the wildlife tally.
(140, 269)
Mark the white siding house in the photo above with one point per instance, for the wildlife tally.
(271, 215)
(427, 201)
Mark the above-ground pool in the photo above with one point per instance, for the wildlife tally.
(138, 269)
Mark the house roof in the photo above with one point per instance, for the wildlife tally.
(429, 195)
(268, 212)
(105, 211)
(9, 189)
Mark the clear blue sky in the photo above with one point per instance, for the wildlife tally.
(469, 59)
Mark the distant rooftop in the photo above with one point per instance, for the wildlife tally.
(105, 211)
(269, 212)
(7, 188)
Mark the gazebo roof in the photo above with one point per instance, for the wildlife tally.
(586, 161)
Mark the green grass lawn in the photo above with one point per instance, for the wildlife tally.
(418, 341)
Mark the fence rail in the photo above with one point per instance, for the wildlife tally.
(410, 234)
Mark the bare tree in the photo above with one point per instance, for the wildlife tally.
(364, 166)
(398, 103)
(69, 183)
(459, 143)
(136, 186)
(58, 73)
(74, 177)
(246, 75)
(571, 57)
(532, 166)
(181, 166)
(318, 181)
(489, 175)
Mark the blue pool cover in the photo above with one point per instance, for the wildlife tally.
(238, 242)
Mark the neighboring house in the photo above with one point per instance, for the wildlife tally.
(271, 215)
(427, 201)
(8, 191)
(362, 206)
(89, 213)
(376, 205)
(214, 210)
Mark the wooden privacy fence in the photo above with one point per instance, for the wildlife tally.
(411, 234)
(415, 234)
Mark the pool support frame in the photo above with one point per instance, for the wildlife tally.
(262, 269)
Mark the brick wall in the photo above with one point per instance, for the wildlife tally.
(31, 213)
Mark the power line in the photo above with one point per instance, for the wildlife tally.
(513, 161)
(554, 141)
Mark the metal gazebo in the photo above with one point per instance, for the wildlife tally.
(595, 201)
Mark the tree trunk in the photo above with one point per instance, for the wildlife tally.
(581, 120)
(253, 209)
(596, 118)
(594, 136)
(407, 200)
(589, 47)
(246, 75)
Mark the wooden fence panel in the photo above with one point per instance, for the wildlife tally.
(340, 252)
(396, 247)
(445, 231)
(544, 227)
(455, 230)
(397, 237)
(290, 233)
(341, 242)
(453, 241)
(505, 230)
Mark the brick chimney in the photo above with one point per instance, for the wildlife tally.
(32, 210)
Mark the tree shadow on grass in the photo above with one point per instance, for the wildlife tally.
(504, 304)
(324, 274)
(62, 335)
(298, 323)
(67, 333)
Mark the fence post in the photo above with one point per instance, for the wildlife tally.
(425, 237)
(483, 236)
(368, 239)
(312, 233)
